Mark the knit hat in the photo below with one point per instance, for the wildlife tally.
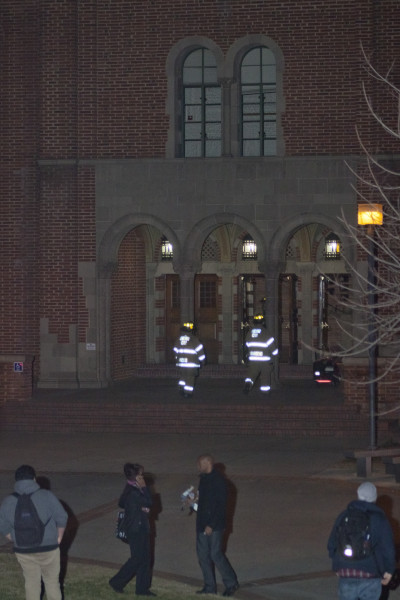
(367, 492)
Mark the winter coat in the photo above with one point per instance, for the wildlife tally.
(133, 499)
(211, 511)
(382, 559)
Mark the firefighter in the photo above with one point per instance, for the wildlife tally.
(261, 351)
(189, 357)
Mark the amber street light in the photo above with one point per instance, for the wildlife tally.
(371, 215)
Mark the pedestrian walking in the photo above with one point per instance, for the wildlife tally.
(35, 520)
(361, 547)
(136, 501)
(210, 526)
(189, 357)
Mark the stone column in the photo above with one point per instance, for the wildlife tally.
(227, 314)
(104, 323)
(306, 312)
(272, 270)
(187, 274)
(150, 313)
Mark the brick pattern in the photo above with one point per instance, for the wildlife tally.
(128, 307)
(272, 420)
(87, 80)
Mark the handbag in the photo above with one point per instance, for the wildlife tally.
(121, 527)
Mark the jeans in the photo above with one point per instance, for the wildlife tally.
(209, 553)
(38, 565)
(359, 589)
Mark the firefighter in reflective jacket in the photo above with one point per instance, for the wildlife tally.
(189, 357)
(261, 352)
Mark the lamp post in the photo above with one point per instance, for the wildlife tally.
(371, 215)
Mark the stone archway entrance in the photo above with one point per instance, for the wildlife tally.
(308, 298)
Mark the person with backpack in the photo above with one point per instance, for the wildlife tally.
(361, 547)
(34, 520)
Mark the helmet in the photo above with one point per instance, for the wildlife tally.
(258, 319)
(188, 326)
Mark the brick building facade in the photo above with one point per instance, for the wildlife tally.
(200, 122)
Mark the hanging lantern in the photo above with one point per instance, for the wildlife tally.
(249, 248)
(167, 251)
(332, 247)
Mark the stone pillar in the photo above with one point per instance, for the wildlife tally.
(272, 270)
(227, 314)
(150, 312)
(104, 323)
(306, 313)
(187, 274)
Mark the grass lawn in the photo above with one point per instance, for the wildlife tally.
(85, 582)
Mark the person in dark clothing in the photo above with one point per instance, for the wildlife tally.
(362, 579)
(136, 501)
(42, 560)
(210, 525)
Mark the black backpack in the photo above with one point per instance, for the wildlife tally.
(353, 535)
(29, 529)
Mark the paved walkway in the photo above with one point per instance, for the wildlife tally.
(285, 494)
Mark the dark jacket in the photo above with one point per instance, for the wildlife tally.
(133, 499)
(382, 559)
(211, 510)
(50, 511)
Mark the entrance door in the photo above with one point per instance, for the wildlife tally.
(252, 295)
(206, 314)
(172, 314)
(288, 350)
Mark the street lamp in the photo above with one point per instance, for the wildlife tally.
(371, 215)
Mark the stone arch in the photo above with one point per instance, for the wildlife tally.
(306, 268)
(112, 238)
(281, 237)
(107, 262)
(199, 232)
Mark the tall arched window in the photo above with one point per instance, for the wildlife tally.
(202, 105)
(258, 102)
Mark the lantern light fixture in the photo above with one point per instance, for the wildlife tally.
(332, 247)
(249, 248)
(167, 251)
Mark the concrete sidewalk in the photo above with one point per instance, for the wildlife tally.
(285, 495)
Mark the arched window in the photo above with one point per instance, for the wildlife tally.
(201, 105)
(258, 103)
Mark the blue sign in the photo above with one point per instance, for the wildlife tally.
(18, 367)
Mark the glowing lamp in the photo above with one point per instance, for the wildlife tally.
(370, 214)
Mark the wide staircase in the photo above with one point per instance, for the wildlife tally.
(150, 403)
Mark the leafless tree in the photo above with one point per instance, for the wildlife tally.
(373, 296)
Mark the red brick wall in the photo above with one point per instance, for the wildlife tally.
(104, 86)
(19, 96)
(128, 308)
(87, 80)
(67, 236)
